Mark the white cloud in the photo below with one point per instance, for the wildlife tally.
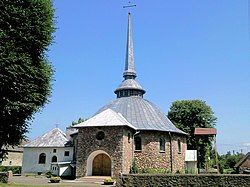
(247, 144)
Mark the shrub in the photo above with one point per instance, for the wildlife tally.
(134, 168)
(108, 181)
(3, 178)
(191, 171)
(55, 179)
(48, 174)
(14, 169)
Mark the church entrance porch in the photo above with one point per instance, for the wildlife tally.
(101, 165)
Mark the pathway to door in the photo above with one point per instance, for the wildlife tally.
(101, 165)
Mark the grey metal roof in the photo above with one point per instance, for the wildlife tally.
(106, 118)
(128, 84)
(53, 138)
(142, 114)
(129, 62)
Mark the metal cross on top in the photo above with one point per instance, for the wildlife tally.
(129, 5)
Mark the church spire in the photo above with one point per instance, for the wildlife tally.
(129, 86)
(129, 71)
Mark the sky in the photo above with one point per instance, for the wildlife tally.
(183, 50)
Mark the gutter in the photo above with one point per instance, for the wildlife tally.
(171, 152)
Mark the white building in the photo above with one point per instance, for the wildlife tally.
(50, 152)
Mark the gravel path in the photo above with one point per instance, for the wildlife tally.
(43, 181)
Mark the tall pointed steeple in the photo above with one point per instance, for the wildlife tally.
(129, 86)
(129, 62)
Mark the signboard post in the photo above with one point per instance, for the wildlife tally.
(209, 132)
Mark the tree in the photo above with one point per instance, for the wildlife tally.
(25, 73)
(228, 161)
(80, 120)
(190, 114)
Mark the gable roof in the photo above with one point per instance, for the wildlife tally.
(53, 138)
(107, 117)
(242, 160)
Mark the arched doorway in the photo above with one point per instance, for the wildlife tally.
(101, 165)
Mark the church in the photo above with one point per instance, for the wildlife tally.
(128, 129)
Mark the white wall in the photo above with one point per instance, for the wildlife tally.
(31, 158)
(65, 170)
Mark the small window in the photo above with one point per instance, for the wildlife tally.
(42, 158)
(54, 159)
(129, 136)
(54, 150)
(179, 146)
(137, 143)
(100, 135)
(10, 163)
(66, 153)
(162, 145)
(126, 93)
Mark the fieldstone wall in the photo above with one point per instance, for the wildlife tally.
(127, 149)
(150, 157)
(112, 144)
(118, 144)
(178, 157)
(230, 180)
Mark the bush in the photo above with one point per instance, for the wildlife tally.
(14, 169)
(3, 178)
(191, 171)
(48, 174)
(134, 168)
(108, 181)
(55, 179)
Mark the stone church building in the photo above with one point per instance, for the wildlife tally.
(126, 129)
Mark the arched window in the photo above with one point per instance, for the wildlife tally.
(179, 146)
(137, 143)
(54, 159)
(42, 158)
(162, 144)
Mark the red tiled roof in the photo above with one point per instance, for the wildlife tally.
(205, 131)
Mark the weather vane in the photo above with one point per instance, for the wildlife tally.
(129, 5)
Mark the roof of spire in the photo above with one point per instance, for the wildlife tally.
(129, 62)
(129, 82)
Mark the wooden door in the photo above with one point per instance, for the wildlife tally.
(101, 165)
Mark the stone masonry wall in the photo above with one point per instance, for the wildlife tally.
(111, 144)
(151, 157)
(178, 157)
(180, 180)
(127, 149)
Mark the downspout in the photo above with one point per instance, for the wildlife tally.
(171, 152)
(133, 137)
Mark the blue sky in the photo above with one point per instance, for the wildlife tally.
(183, 50)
